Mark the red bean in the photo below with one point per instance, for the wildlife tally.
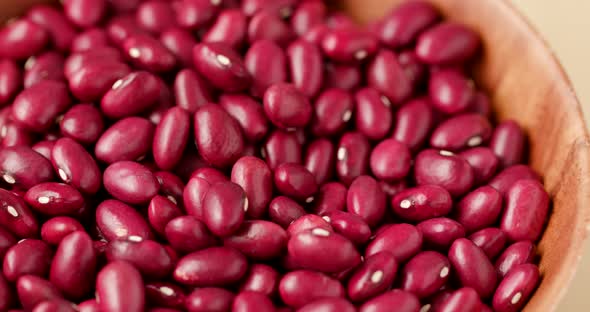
(348, 44)
(171, 186)
(286, 107)
(180, 42)
(491, 240)
(445, 169)
(160, 211)
(77, 61)
(461, 131)
(194, 14)
(328, 304)
(7, 240)
(29, 256)
(188, 234)
(21, 166)
(55, 305)
(366, 199)
(148, 53)
(352, 157)
(527, 206)
(255, 177)
(283, 211)
(215, 266)
(133, 94)
(331, 196)
(267, 25)
(504, 180)
(464, 299)
(387, 75)
(298, 288)
(390, 160)
(218, 136)
(94, 79)
(508, 143)
(85, 13)
(483, 161)
(209, 299)
(440, 233)
(403, 25)
(402, 240)
(308, 222)
(422, 202)
(224, 207)
(516, 288)
(413, 123)
(155, 16)
(74, 265)
(372, 277)
(119, 288)
(46, 66)
(89, 306)
(37, 107)
(55, 229)
(191, 90)
(295, 181)
(249, 114)
(130, 182)
(450, 92)
(281, 147)
(403, 301)
(127, 139)
(306, 67)
(342, 76)
(89, 39)
(13, 135)
(115, 220)
(473, 267)
(16, 216)
(52, 198)
(83, 123)
(6, 294)
(193, 196)
(332, 111)
(447, 43)
(479, 209)
(44, 148)
(164, 294)
(55, 23)
(147, 256)
(425, 273)
(261, 278)
(282, 7)
(249, 301)
(33, 290)
(373, 116)
(229, 28)
(267, 64)
(222, 66)
(10, 80)
(21, 39)
(349, 225)
(170, 138)
(258, 240)
(514, 255)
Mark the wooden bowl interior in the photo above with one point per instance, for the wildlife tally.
(528, 85)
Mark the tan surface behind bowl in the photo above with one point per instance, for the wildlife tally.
(528, 85)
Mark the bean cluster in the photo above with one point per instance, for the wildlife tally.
(256, 155)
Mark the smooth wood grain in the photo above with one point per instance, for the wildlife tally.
(527, 84)
(12, 8)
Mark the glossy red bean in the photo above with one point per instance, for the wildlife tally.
(308, 222)
(440, 233)
(155, 16)
(54, 199)
(249, 114)
(516, 288)
(261, 278)
(16, 216)
(295, 181)
(267, 25)
(352, 157)
(255, 177)
(193, 196)
(450, 92)
(147, 256)
(55, 23)
(281, 147)
(464, 299)
(406, 22)
(491, 240)
(191, 90)
(83, 123)
(413, 68)
(148, 53)
(222, 66)
(171, 186)
(170, 138)
(249, 301)
(160, 211)
(483, 161)
(283, 211)
(508, 143)
(74, 264)
(366, 199)
(348, 44)
(85, 13)
(6, 294)
(447, 43)
(514, 255)
(282, 7)
(472, 267)
(119, 288)
(298, 288)
(55, 229)
(21, 166)
(479, 208)
(349, 225)
(46, 66)
(258, 240)
(387, 75)
(390, 160)
(328, 305)
(193, 14)
(229, 28)
(267, 64)
(224, 208)
(33, 290)
(373, 116)
(527, 206)
(307, 15)
(7, 240)
(10, 80)
(44, 148)
(37, 107)
(164, 294)
(445, 169)
(115, 219)
(29, 256)
(425, 273)
(342, 76)
(55, 305)
(402, 240)
(306, 67)
(319, 159)
(286, 107)
(188, 234)
(77, 61)
(422, 202)
(93, 80)
(89, 39)
(180, 42)
(373, 277)
(461, 131)
(130, 182)
(504, 180)
(332, 111)
(135, 93)
(21, 39)
(413, 122)
(13, 135)
(90, 305)
(218, 136)
(331, 196)
(403, 301)
(215, 266)
(209, 299)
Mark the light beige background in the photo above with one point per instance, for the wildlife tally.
(566, 27)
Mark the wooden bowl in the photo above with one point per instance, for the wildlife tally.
(527, 84)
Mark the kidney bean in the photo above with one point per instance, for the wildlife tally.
(14, 135)
(402, 240)
(295, 181)
(331, 196)
(170, 138)
(306, 67)
(403, 301)
(84, 13)
(516, 288)
(29, 256)
(483, 161)
(55, 305)
(248, 301)
(193, 196)
(37, 107)
(194, 14)
(210, 175)
(283, 211)
(248, 113)
(308, 222)
(33, 290)
(89, 39)
(508, 143)
(413, 68)
(7, 240)
(229, 28)
(90, 305)
(328, 304)
(347, 44)
(440, 233)
(170, 185)
(282, 7)
(463, 299)
(373, 113)
(491, 240)
(298, 288)
(209, 299)
(373, 277)
(115, 220)
(148, 53)
(92, 81)
(135, 93)
(83, 123)
(261, 278)
(104, 55)
(10, 80)
(16, 216)
(413, 123)
(422, 202)
(255, 177)
(218, 136)
(425, 273)
(390, 160)
(52, 198)
(527, 206)
(366, 199)
(130, 182)
(332, 111)
(479, 208)
(473, 267)
(307, 15)
(514, 255)
(164, 294)
(224, 207)
(6, 294)
(160, 211)
(21, 166)
(46, 66)
(445, 169)
(504, 180)
(187, 234)
(319, 159)
(55, 23)
(450, 92)
(447, 43)
(22, 39)
(352, 156)
(215, 266)
(386, 75)
(191, 90)
(55, 229)
(286, 107)
(74, 264)
(459, 132)
(267, 64)
(342, 76)
(349, 225)
(119, 288)
(180, 43)
(44, 148)
(222, 66)
(147, 256)
(406, 22)
(258, 239)
(266, 25)
(281, 147)
(155, 16)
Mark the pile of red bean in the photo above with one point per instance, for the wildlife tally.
(256, 155)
